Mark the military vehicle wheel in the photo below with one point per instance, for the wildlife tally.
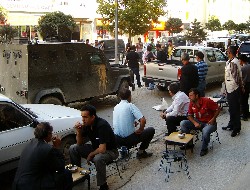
(51, 100)
(66, 142)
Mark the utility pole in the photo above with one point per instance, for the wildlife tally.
(116, 32)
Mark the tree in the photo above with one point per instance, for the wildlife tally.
(56, 24)
(3, 15)
(173, 25)
(241, 27)
(213, 24)
(195, 32)
(134, 17)
(229, 25)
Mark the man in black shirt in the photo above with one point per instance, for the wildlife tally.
(103, 149)
(132, 59)
(161, 55)
(189, 75)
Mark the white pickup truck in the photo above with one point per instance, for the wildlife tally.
(17, 123)
(165, 73)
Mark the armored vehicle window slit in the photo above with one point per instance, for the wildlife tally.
(95, 59)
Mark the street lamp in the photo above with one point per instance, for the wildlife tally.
(116, 32)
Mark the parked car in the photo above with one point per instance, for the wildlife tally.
(165, 73)
(17, 123)
(245, 49)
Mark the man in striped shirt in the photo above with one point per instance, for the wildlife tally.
(202, 72)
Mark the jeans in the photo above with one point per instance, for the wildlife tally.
(202, 87)
(145, 138)
(137, 74)
(233, 99)
(206, 129)
(100, 160)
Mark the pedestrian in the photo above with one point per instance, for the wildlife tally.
(160, 54)
(129, 125)
(189, 75)
(202, 72)
(177, 112)
(148, 55)
(139, 47)
(103, 147)
(132, 59)
(202, 114)
(42, 165)
(170, 48)
(245, 69)
(152, 44)
(234, 86)
(96, 45)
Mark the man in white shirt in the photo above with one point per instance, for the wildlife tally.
(178, 109)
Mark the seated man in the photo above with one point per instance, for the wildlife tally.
(202, 114)
(42, 165)
(103, 149)
(178, 109)
(125, 117)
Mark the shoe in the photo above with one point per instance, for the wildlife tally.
(143, 155)
(245, 119)
(189, 146)
(133, 87)
(203, 152)
(227, 128)
(104, 187)
(234, 133)
(139, 86)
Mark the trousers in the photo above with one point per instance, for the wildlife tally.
(100, 160)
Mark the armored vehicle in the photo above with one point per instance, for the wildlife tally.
(57, 73)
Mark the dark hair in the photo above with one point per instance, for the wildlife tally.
(200, 55)
(233, 50)
(124, 93)
(133, 47)
(42, 130)
(195, 91)
(149, 48)
(174, 87)
(91, 109)
(243, 57)
(158, 45)
(170, 41)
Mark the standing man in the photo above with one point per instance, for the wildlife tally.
(202, 114)
(139, 47)
(103, 147)
(202, 72)
(234, 86)
(161, 55)
(42, 165)
(97, 45)
(178, 109)
(170, 49)
(189, 75)
(125, 120)
(152, 44)
(132, 59)
(245, 69)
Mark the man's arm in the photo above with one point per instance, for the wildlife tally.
(79, 138)
(191, 118)
(142, 125)
(213, 120)
(100, 149)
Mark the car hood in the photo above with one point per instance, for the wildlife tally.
(50, 111)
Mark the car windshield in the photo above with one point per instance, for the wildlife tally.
(245, 47)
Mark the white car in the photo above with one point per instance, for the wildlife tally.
(17, 123)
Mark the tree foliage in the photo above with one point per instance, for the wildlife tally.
(134, 17)
(213, 24)
(242, 27)
(56, 24)
(173, 25)
(3, 15)
(229, 25)
(196, 32)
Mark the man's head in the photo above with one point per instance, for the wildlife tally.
(231, 51)
(88, 113)
(43, 131)
(243, 59)
(139, 39)
(185, 58)
(170, 42)
(173, 88)
(96, 42)
(199, 56)
(87, 41)
(125, 94)
(194, 94)
(158, 47)
(152, 40)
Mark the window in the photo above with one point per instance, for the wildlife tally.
(177, 53)
(11, 117)
(95, 59)
(220, 56)
(211, 55)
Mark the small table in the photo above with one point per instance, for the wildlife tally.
(175, 140)
(77, 177)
